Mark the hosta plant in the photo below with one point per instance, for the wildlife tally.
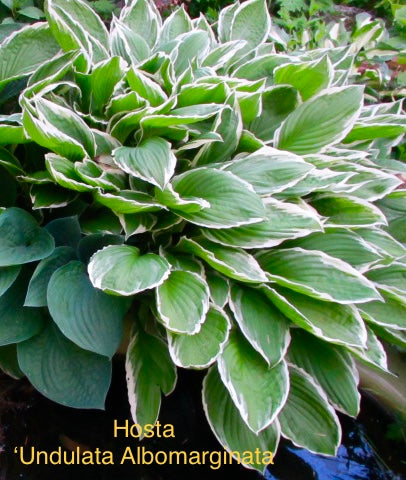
(238, 207)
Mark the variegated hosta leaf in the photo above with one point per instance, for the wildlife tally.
(321, 121)
(330, 366)
(177, 23)
(57, 128)
(84, 314)
(307, 418)
(229, 126)
(152, 160)
(64, 173)
(150, 371)
(128, 201)
(307, 77)
(263, 325)
(283, 221)
(142, 17)
(383, 242)
(318, 275)
(341, 324)
(128, 44)
(348, 211)
(232, 202)
(270, 170)
(340, 243)
(76, 25)
(373, 355)
(391, 312)
(232, 262)
(391, 278)
(182, 302)
(202, 348)
(251, 22)
(258, 391)
(230, 429)
(25, 50)
(122, 270)
(145, 87)
(219, 288)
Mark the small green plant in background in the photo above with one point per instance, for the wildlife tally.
(240, 207)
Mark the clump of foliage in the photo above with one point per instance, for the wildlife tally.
(238, 206)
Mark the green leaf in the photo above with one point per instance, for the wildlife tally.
(307, 77)
(318, 275)
(90, 244)
(12, 134)
(269, 170)
(191, 46)
(219, 288)
(232, 202)
(57, 128)
(150, 371)
(263, 66)
(331, 367)
(229, 126)
(391, 312)
(25, 50)
(32, 12)
(63, 172)
(98, 87)
(176, 24)
(232, 262)
(373, 354)
(9, 361)
(95, 175)
(143, 18)
(391, 279)
(179, 116)
(321, 121)
(340, 243)
(262, 324)
(10, 162)
(230, 429)
(18, 322)
(145, 87)
(259, 392)
(307, 418)
(202, 348)
(22, 240)
(223, 53)
(282, 222)
(251, 22)
(76, 25)
(8, 276)
(65, 230)
(277, 103)
(128, 44)
(90, 318)
(332, 322)
(50, 196)
(122, 270)
(37, 288)
(151, 160)
(226, 16)
(348, 211)
(182, 302)
(128, 201)
(63, 372)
